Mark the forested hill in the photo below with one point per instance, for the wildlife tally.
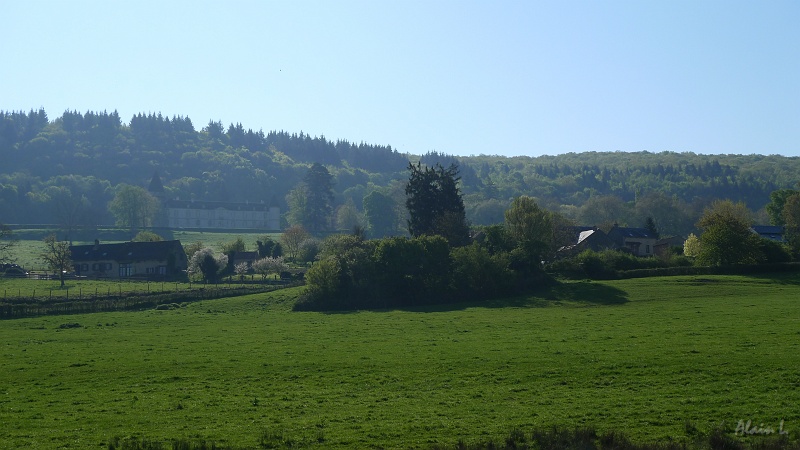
(87, 155)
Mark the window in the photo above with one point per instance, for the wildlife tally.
(647, 249)
(125, 270)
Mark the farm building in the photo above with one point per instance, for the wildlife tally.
(161, 260)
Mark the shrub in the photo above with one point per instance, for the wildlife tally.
(477, 274)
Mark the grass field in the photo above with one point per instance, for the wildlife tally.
(642, 356)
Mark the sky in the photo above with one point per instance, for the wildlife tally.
(458, 77)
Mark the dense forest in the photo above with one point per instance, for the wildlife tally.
(52, 168)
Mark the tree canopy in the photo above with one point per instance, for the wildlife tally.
(66, 170)
(434, 203)
(134, 207)
(727, 238)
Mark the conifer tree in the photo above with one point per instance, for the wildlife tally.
(435, 205)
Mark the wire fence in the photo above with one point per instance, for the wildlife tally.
(56, 302)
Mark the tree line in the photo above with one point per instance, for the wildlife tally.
(67, 171)
(443, 262)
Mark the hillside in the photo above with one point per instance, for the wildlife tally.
(85, 156)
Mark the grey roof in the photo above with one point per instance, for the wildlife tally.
(231, 206)
(642, 233)
(126, 251)
(769, 231)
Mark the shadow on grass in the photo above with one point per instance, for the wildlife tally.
(780, 278)
(587, 292)
(580, 292)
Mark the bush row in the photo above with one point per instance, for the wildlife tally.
(611, 264)
(399, 272)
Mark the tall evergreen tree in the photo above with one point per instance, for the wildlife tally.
(320, 198)
(650, 225)
(435, 205)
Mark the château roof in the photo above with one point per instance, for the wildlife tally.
(231, 206)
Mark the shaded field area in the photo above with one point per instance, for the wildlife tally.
(31, 297)
(644, 357)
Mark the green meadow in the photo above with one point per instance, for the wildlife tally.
(645, 357)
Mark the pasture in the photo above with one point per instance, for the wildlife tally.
(642, 356)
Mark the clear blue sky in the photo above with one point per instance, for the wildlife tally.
(459, 77)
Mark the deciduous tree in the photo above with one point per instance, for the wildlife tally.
(348, 217)
(292, 240)
(147, 236)
(7, 242)
(133, 207)
(270, 265)
(70, 209)
(727, 238)
(241, 270)
(208, 264)
(530, 226)
(775, 207)
(603, 211)
(57, 256)
(381, 214)
(691, 246)
(791, 220)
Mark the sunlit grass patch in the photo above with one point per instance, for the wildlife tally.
(639, 356)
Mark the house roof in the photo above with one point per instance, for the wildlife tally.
(641, 233)
(671, 241)
(769, 231)
(125, 251)
(590, 238)
(245, 256)
(585, 235)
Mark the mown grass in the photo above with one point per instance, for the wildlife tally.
(640, 356)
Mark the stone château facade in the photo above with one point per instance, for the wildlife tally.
(218, 215)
